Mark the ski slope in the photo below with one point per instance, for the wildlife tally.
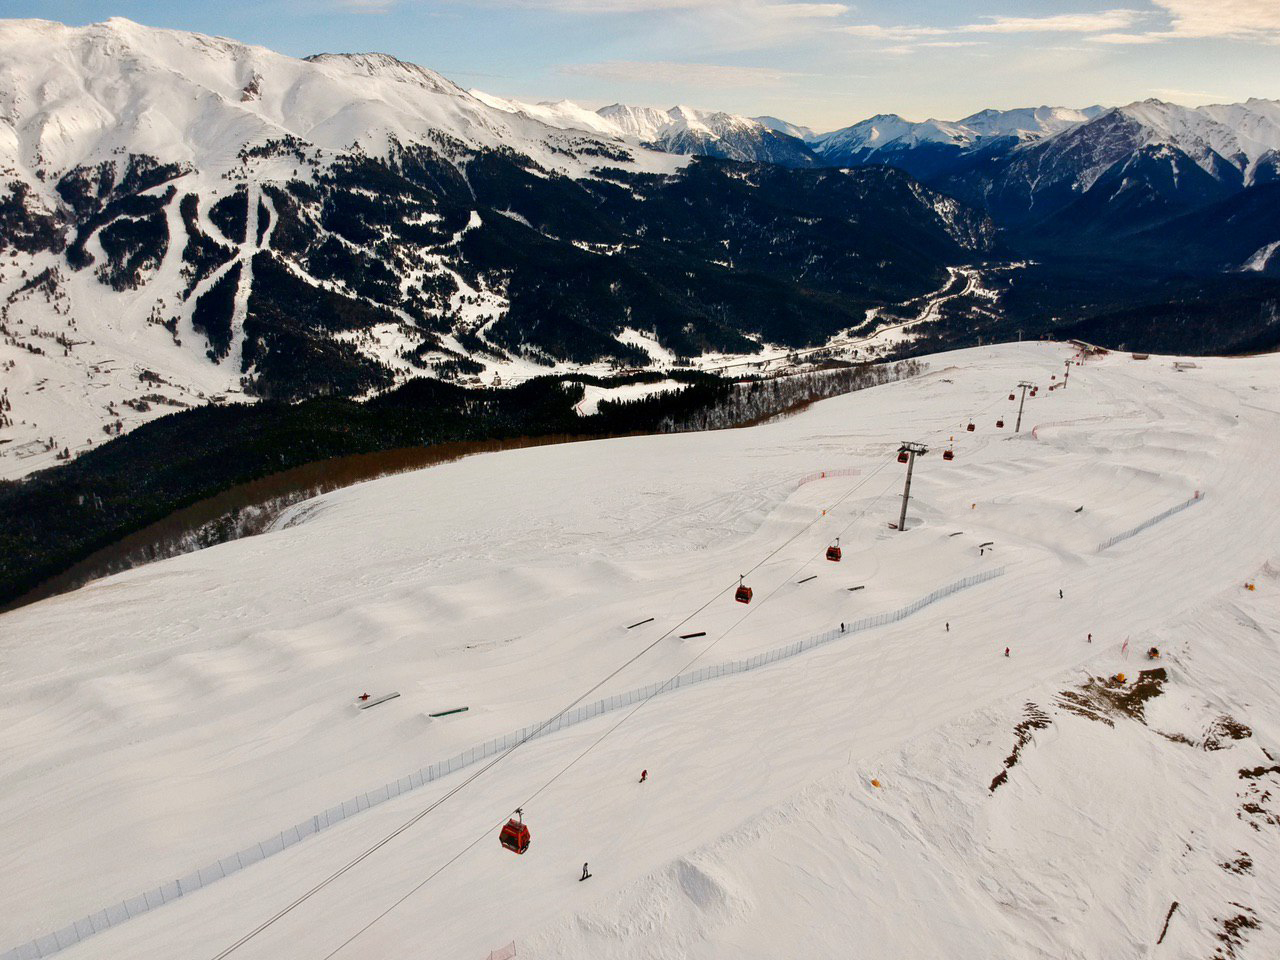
(157, 720)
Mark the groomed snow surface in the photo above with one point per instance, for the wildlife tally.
(157, 720)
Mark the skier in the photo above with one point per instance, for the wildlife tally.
(1006, 651)
(585, 873)
(948, 626)
(644, 775)
(842, 627)
(1091, 638)
(1059, 593)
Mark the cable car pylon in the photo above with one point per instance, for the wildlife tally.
(907, 454)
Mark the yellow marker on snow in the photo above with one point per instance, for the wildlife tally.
(875, 783)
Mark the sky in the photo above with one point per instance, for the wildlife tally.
(821, 64)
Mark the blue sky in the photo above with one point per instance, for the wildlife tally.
(825, 64)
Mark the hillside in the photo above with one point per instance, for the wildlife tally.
(904, 785)
(187, 219)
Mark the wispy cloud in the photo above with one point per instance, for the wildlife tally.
(1248, 19)
(684, 75)
(371, 7)
(1119, 19)
(779, 10)
(907, 37)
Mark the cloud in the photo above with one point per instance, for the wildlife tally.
(877, 32)
(1233, 19)
(1126, 38)
(804, 11)
(365, 6)
(676, 74)
(906, 38)
(775, 10)
(1059, 23)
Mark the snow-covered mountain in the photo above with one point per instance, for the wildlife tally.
(1062, 175)
(1128, 168)
(1027, 123)
(678, 130)
(924, 147)
(783, 126)
(187, 219)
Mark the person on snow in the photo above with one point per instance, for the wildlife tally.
(1059, 593)
(948, 626)
(1091, 638)
(585, 873)
(644, 775)
(1006, 651)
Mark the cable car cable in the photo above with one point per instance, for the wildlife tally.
(506, 753)
(565, 769)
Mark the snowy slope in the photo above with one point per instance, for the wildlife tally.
(185, 97)
(890, 133)
(83, 360)
(1027, 123)
(678, 130)
(157, 720)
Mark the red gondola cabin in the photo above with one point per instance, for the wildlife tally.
(743, 594)
(970, 428)
(948, 455)
(902, 456)
(1012, 397)
(515, 835)
(833, 552)
(1000, 424)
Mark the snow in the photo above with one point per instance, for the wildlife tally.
(159, 719)
(632, 391)
(1026, 124)
(1240, 133)
(1261, 257)
(782, 126)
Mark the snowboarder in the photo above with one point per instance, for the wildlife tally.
(1006, 651)
(644, 775)
(585, 873)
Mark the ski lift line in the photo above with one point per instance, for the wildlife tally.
(572, 763)
(502, 756)
(565, 769)
(506, 753)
